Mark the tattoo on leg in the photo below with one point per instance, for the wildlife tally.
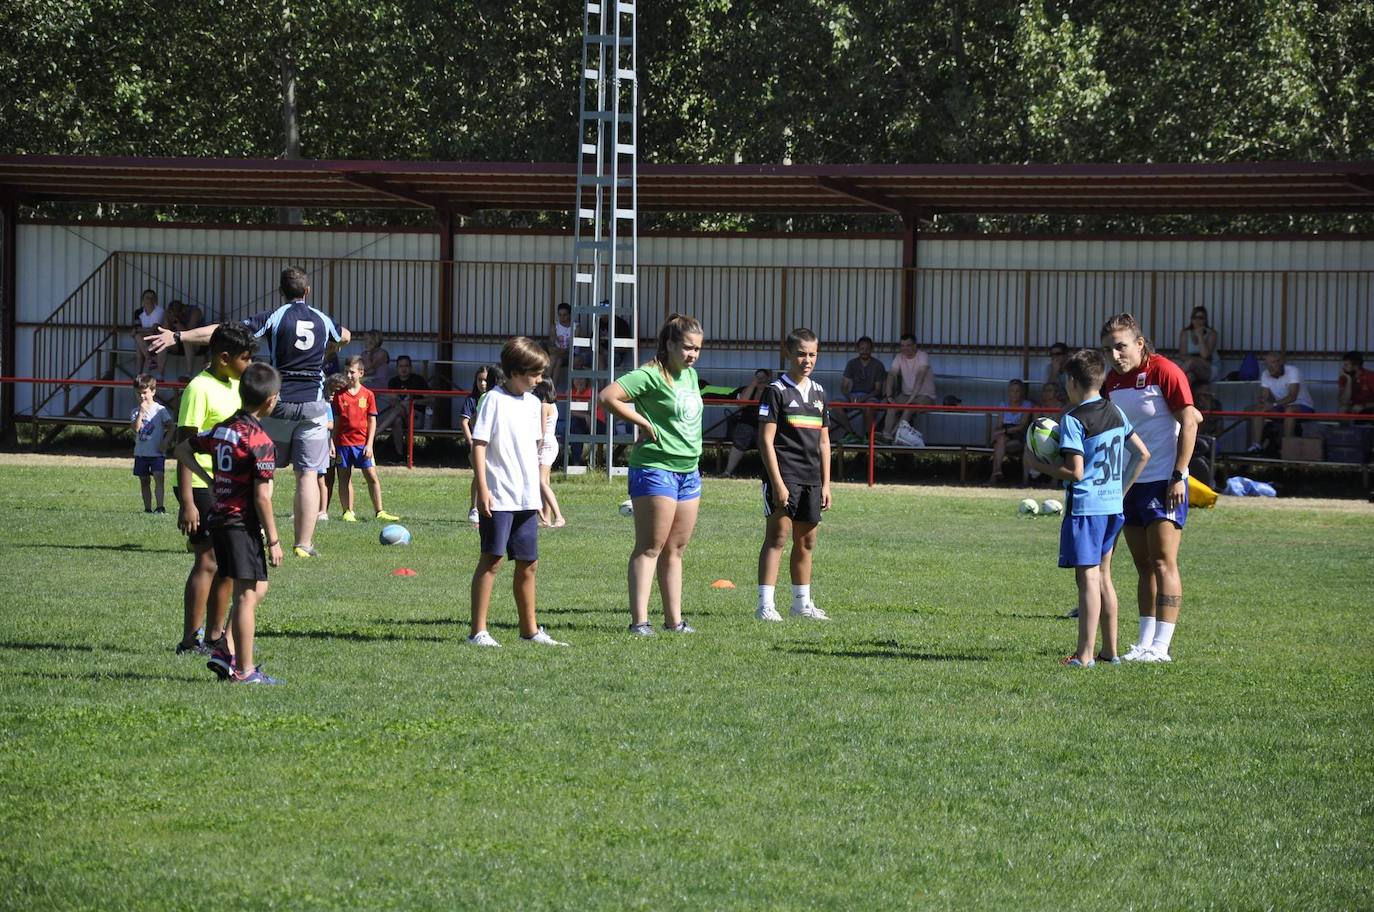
(1168, 601)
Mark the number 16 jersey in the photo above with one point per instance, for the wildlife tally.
(1096, 430)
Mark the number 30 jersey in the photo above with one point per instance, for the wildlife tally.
(297, 336)
(1096, 430)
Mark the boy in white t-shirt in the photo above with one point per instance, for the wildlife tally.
(1281, 390)
(505, 462)
(151, 423)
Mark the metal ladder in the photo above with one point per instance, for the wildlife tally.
(606, 224)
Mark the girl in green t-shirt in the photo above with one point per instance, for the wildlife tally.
(662, 398)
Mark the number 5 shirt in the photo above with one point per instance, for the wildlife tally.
(297, 336)
(1096, 430)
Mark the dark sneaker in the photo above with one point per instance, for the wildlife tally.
(161, 511)
(195, 648)
(254, 677)
(682, 627)
(644, 630)
(221, 662)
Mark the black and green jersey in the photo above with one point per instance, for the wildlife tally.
(800, 417)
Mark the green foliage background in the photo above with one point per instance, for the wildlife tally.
(807, 81)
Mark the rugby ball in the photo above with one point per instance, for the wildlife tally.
(1028, 507)
(1042, 439)
(1051, 507)
(627, 508)
(394, 534)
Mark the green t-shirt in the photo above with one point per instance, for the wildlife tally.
(206, 402)
(674, 408)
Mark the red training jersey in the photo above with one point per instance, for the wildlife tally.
(351, 411)
(1363, 393)
(1149, 396)
(243, 454)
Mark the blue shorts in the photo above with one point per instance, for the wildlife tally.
(1085, 540)
(510, 533)
(149, 465)
(352, 457)
(1145, 504)
(679, 486)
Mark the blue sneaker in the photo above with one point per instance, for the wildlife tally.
(644, 630)
(254, 677)
(1072, 662)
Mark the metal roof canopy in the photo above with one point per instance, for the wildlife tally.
(911, 191)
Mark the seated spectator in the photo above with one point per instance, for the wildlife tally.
(1199, 350)
(745, 432)
(1281, 390)
(863, 381)
(182, 317)
(1009, 435)
(147, 319)
(622, 331)
(1206, 401)
(1054, 371)
(376, 361)
(1356, 385)
(559, 344)
(395, 418)
(1050, 400)
(910, 381)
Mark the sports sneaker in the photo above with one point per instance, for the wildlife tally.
(322, 516)
(1151, 655)
(161, 511)
(255, 676)
(1073, 662)
(384, 516)
(472, 516)
(542, 638)
(482, 638)
(1135, 653)
(305, 551)
(1072, 613)
(197, 648)
(809, 611)
(221, 662)
(350, 516)
(1114, 660)
(682, 627)
(767, 613)
(644, 630)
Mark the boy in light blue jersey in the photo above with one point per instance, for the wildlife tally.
(1094, 440)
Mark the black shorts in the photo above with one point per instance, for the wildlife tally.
(803, 502)
(239, 553)
(205, 502)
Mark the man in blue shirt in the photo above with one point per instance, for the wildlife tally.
(1097, 468)
(298, 338)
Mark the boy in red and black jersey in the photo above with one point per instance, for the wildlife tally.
(245, 461)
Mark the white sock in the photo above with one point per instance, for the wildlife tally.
(1164, 634)
(801, 595)
(766, 596)
(1147, 632)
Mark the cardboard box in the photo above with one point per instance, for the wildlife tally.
(1301, 449)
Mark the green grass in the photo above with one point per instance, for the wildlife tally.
(923, 750)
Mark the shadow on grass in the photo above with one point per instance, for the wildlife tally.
(1036, 617)
(127, 547)
(425, 622)
(353, 636)
(879, 649)
(106, 676)
(65, 647)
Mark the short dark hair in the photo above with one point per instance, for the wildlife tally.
(405, 358)
(1017, 382)
(145, 381)
(1354, 358)
(562, 306)
(496, 375)
(233, 339)
(904, 336)
(1062, 349)
(797, 336)
(294, 282)
(544, 390)
(1086, 367)
(523, 355)
(863, 339)
(259, 383)
(144, 293)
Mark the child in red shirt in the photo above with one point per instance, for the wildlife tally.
(355, 427)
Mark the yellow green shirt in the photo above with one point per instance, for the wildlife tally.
(206, 401)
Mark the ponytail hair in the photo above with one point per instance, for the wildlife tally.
(1125, 321)
(674, 330)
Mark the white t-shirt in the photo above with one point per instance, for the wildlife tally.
(907, 370)
(151, 320)
(512, 427)
(1278, 386)
(563, 334)
(150, 434)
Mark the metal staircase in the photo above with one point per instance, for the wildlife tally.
(606, 224)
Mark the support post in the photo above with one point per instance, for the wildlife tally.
(444, 370)
(9, 314)
(1283, 315)
(1026, 324)
(910, 231)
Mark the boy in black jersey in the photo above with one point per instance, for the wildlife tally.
(794, 442)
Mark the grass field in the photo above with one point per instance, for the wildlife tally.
(923, 750)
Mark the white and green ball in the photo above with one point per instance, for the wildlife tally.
(1051, 507)
(1028, 507)
(1042, 439)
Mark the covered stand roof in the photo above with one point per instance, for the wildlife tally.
(917, 190)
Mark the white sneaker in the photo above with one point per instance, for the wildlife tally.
(543, 639)
(809, 611)
(767, 613)
(322, 517)
(472, 516)
(1151, 655)
(482, 638)
(1135, 653)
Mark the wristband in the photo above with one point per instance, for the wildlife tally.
(274, 542)
(1179, 475)
(176, 336)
